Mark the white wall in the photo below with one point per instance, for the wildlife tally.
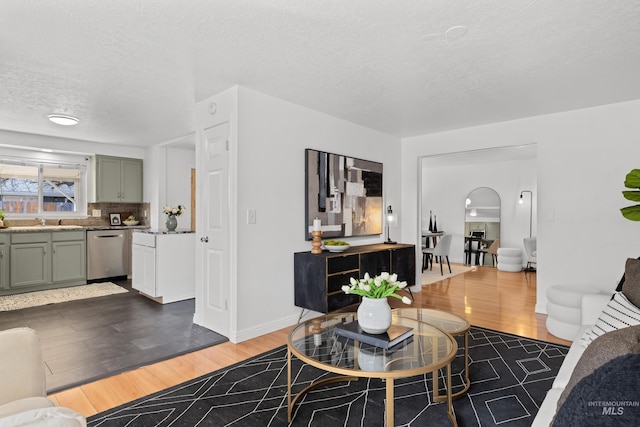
(154, 179)
(272, 137)
(179, 163)
(444, 190)
(583, 157)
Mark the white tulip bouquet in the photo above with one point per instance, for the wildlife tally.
(382, 286)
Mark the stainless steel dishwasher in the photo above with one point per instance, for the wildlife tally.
(106, 254)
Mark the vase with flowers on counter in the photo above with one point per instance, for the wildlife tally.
(172, 214)
(374, 312)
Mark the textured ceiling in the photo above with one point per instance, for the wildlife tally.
(132, 70)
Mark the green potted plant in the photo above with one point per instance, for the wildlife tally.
(632, 180)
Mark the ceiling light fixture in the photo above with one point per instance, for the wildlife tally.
(63, 120)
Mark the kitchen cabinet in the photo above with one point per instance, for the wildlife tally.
(163, 265)
(30, 260)
(117, 179)
(46, 260)
(318, 278)
(4, 261)
(68, 257)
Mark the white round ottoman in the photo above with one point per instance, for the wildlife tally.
(564, 316)
(509, 259)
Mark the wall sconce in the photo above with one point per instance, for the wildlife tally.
(521, 201)
(389, 220)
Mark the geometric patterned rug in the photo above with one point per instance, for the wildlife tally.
(510, 376)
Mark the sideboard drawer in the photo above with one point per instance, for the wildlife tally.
(340, 300)
(335, 282)
(341, 263)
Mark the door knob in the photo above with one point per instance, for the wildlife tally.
(205, 239)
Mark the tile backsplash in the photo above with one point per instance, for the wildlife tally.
(124, 209)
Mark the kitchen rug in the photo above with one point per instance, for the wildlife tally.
(54, 296)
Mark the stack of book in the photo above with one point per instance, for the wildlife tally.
(394, 335)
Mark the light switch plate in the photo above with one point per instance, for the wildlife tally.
(96, 213)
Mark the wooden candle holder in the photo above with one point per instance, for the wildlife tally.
(316, 243)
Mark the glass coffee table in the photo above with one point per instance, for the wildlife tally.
(447, 322)
(314, 342)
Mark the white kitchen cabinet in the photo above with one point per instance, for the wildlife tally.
(164, 265)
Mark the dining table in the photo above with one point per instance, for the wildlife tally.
(431, 238)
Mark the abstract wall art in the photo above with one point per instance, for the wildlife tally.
(345, 193)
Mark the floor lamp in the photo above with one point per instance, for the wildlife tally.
(521, 201)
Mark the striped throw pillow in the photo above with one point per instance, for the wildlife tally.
(619, 313)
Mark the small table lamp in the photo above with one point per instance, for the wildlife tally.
(389, 220)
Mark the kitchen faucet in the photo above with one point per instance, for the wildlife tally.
(42, 221)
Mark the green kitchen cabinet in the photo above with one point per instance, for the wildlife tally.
(117, 179)
(68, 257)
(4, 261)
(45, 260)
(30, 260)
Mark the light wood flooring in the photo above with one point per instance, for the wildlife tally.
(486, 297)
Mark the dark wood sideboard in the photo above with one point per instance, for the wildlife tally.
(318, 278)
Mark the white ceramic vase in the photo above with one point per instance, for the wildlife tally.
(374, 315)
(371, 359)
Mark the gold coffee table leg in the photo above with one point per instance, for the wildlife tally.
(467, 381)
(289, 384)
(452, 417)
(390, 405)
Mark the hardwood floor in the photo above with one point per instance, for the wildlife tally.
(486, 297)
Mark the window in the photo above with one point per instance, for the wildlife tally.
(43, 187)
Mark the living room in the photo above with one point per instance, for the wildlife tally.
(584, 151)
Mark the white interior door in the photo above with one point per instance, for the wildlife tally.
(214, 231)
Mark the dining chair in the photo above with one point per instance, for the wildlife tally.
(441, 250)
(493, 250)
(472, 247)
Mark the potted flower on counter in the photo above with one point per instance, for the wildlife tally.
(374, 312)
(172, 213)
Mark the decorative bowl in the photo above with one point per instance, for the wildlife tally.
(130, 223)
(336, 248)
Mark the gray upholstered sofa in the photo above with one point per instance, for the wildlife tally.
(23, 398)
(602, 366)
